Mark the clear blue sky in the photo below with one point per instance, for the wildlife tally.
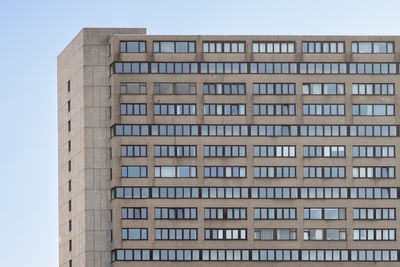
(33, 33)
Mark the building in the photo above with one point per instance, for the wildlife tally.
(228, 150)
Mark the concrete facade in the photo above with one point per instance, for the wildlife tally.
(88, 64)
(84, 63)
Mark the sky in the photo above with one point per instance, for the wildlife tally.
(33, 33)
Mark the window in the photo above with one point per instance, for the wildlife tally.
(70, 263)
(373, 89)
(373, 255)
(324, 193)
(372, 47)
(323, 110)
(175, 234)
(252, 68)
(69, 125)
(225, 234)
(134, 233)
(253, 130)
(373, 110)
(224, 151)
(70, 225)
(69, 186)
(69, 146)
(317, 193)
(134, 171)
(374, 151)
(174, 88)
(225, 214)
(325, 234)
(224, 89)
(268, 68)
(274, 151)
(256, 255)
(175, 213)
(69, 205)
(175, 109)
(274, 172)
(157, 130)
(134, 213)
(171, 67)
(323, 68)
(372, 68)
(373, 130)
(274, 109)
(374, 214)
(324, 172)
(175, 171)
(70, 245)
(275, 214)
(69, 166)
(133, 88)
(323, 89)
(274, 88)
(69, 86)
(225, 172)
(374, 234)
(373, 193)
(69, 105)
(133, 151)
(273, 47)
(323, 130)
(174, 47)
(224, 109)
(224, 47)
(132, 47)
(275, 234)
(324, 214)
(374, 172)
(324, 151)
(175, 151)
(323, 47)
(133, 109)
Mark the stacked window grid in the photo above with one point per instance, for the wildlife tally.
(259, 151)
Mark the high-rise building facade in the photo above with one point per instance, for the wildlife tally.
(228, 150)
